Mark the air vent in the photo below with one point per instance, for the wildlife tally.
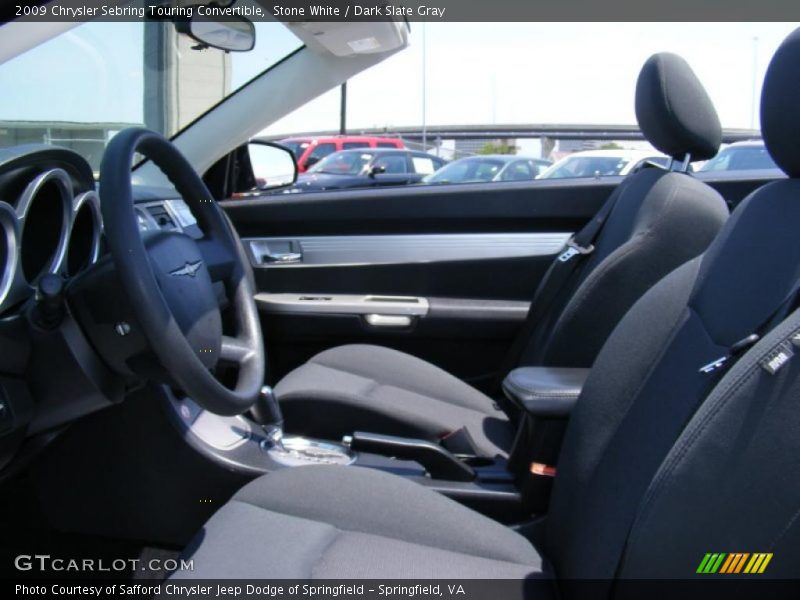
(162, 217)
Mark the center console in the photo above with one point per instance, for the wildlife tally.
(508, 489)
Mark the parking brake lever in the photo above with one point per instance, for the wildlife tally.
(439, 462)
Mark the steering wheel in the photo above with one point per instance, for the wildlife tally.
(174, 282)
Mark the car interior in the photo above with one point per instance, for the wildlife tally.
(544, 380)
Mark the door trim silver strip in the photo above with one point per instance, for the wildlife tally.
(342, 304)
(398, 249)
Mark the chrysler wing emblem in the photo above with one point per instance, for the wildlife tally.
(189, 269)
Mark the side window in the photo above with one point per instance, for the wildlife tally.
(423, 165)
(486, 171)
(385, 145)
(540, 168)
(320, 152)
(349, 145)
(393, 163)
(519, 170)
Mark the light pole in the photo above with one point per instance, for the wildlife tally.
(343, 110)
(754, 83)
(424, 88)
(494, 98)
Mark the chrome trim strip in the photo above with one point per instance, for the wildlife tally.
(341, 304)
(8, 230)
(64, 184)
(397, 249)
(92, 201)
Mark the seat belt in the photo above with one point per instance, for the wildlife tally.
(571, 256)
(786, 317)
(723, 363)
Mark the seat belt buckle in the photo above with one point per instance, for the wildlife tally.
(573, 250)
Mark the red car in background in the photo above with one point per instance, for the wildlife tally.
(309, 151)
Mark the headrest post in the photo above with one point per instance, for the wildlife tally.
(670, 163)
(685, 164)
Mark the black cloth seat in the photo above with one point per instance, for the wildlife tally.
(368, 524)
(662, 461)
(371, 388)
(660, 220)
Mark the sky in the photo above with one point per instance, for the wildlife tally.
(475, 73)
(481, 73)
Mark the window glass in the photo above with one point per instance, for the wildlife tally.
(343, 163)
(586, 166)
(471, 169)
(737, 158)
(518, 171)
(297, 148)
(393, 163)
(111, 76)
(424, 165)
(350, 145)
(321, 151)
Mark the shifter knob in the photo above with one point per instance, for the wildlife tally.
(266, 411)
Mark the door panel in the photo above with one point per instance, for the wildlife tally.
(474, 253)
(475, 307)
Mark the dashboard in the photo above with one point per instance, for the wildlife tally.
(51, 223)
(50, 219)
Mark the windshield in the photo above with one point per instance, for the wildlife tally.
(586, 166)
(467, 169)
(81, 87)
(740, 158)
(342, 163)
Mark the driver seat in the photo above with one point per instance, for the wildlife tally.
(662, 462)
(659, 220)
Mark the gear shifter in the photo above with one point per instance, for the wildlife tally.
(292, 451)
(267, 413)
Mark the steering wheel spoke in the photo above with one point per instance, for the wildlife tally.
(219, 259)
(235, 350)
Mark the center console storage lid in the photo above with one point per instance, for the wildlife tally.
(547, 392)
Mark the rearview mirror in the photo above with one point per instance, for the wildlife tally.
(234, 34)
(273, 165)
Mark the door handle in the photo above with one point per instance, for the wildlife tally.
(282, 257)
(376, 320)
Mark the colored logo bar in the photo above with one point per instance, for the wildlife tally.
(734, 562)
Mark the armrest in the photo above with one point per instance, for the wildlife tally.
(546, 397)
(546, 392)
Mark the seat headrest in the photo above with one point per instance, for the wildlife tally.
(674, 111)
(780, 111)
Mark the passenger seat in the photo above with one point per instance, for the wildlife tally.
(654, 221)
